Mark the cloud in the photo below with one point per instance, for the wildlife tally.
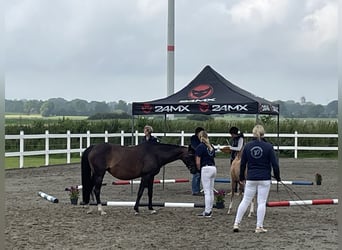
(253, 43)
(258, 14)
(319, 27)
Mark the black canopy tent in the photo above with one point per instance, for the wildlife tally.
(208, 93)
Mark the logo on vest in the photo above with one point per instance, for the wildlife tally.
(256, 152)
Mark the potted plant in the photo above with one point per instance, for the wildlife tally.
(318, 179)
(74, 193)
(219, 198)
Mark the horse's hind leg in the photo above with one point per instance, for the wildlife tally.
(97, 189)
(150, 195)
(143, 184)
(92, 199)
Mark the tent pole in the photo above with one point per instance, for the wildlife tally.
(164, 137)
(132, 139)
(278, 137)
(132, 130)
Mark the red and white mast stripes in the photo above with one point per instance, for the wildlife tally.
(171, 47)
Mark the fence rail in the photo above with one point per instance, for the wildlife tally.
(68, 150)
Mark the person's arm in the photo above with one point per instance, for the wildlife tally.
(243, 165)
(155, 139)
(198, 162)
(275, 165)
(239, 146)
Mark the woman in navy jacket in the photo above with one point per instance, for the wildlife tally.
(259, 158)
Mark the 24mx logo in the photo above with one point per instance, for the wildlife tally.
(227, 107)
(171, 108)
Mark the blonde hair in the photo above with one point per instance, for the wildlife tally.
(203, 136)
(148, 128)
(258, 131)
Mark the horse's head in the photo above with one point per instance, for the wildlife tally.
(189, 159)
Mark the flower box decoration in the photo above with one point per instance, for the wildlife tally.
(219, 198)
(74, 193)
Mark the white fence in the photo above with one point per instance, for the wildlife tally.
(68, 136)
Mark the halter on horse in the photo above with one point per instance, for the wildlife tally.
(127, 163)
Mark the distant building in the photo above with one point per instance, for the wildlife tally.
(302, 100)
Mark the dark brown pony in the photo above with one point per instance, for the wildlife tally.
(235, 182)
(127, 163)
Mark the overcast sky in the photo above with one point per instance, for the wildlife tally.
(110, 50)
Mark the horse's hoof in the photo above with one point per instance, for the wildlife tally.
(153, 211)
(89, 211)
(136, 213)
(103, 213)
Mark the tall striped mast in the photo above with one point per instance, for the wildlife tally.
(170, 57)
(171, 48)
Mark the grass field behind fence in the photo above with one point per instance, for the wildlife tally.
(35, 124)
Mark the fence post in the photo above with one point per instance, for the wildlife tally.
(296, 145)
(21, 149)
(122, 138)
(47, 155)
(88, 138)
(106, 136)
(136, 137)
(68, 146)
(182, 138)
(81, 145)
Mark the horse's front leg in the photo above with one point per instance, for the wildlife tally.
(140, 193)
(92, 198)
(150, 195)
(231, 198)
(97, 190)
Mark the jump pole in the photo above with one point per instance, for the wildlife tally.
(48, 197)
(122, 182)
(154, 204)
(294, 182)
(301, 203)
(80, 187)
(227, 180)
(222, 180)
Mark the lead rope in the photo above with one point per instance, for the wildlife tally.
(292, 193)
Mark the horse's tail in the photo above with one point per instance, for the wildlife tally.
(87, 184)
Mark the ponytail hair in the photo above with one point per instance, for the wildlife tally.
(258, 131)
(203, 136)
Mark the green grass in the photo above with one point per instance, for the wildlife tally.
(38, 116)
(38, 161)
(15, 119)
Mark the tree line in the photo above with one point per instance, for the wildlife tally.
(79, 107)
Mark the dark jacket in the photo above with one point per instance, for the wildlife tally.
(207, 157)
(259, 158)
(194, 141)
(151, 140)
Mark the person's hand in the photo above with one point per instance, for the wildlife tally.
(278, 179)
